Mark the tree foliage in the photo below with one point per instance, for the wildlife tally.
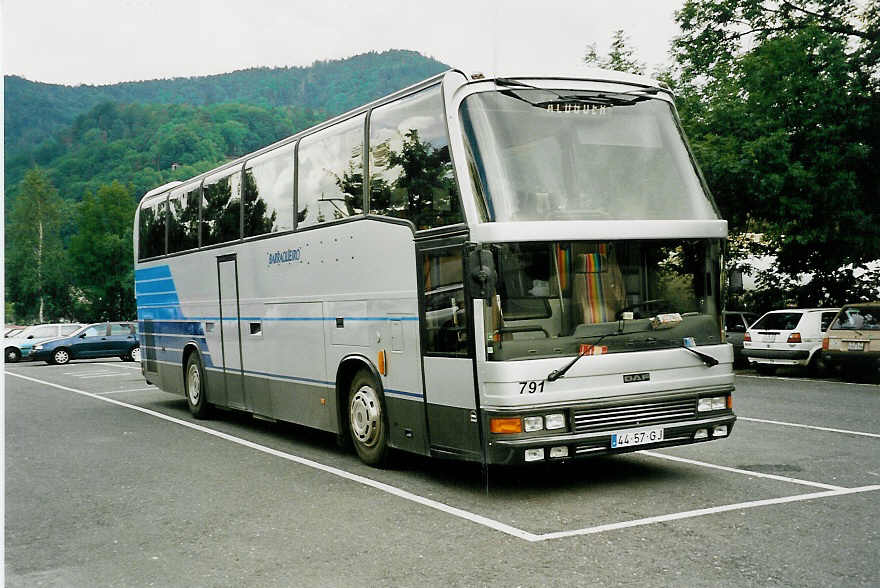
(780, 101)
(36, 268)
(620, 57)
(100, 254)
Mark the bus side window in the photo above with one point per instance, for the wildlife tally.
(151, 232)
(221, 207)
(330, 173)
(183, 219)
(445, 327)
(268, 192)
(410, 168)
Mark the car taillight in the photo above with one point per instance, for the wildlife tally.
(794, 338)
(747, 337)
(824, 343)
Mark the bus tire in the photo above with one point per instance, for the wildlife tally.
(194, 387)
(367, 420)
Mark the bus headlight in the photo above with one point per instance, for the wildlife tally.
(554, 421)
(533, 423)
(711, 403)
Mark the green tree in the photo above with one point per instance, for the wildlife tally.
(35, 266)
(100, 254)
(781, 102)
(620, 57)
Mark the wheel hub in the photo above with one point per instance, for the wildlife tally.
(365, 413)
(194, 382)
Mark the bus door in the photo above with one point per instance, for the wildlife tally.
(230, 329)
(447, 351)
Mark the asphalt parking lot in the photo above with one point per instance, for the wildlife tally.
(110, 482)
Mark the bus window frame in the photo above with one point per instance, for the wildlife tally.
(162, 196)
(433, 231)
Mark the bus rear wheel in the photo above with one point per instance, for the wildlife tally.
(194, 384)
(367, 421)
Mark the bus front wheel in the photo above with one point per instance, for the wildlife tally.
(194, 381)
(367, 420)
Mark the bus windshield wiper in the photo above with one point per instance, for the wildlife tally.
(707, 359)
(556, 374)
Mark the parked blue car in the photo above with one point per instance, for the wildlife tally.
(91, 341)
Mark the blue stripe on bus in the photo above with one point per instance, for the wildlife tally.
(151, 273)
(165, 298)
(154, 286)
(160, 327)
(283, 318)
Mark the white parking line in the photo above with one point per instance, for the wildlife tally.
(704, 511)
(121, 365)
(121, 391)
(463, 514)
(739, 471)
(113, 375)
(845, 431)
(794, 379)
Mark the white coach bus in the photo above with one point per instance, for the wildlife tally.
(506, 270)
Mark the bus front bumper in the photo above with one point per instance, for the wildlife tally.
(565, 446)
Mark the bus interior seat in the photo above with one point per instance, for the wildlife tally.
(598, 286)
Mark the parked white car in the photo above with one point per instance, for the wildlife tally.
(20, 346)
(791, 337)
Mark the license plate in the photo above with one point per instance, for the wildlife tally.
(770, 338)
(855, 345)
(630, 437)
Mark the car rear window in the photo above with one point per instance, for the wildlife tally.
(865, 318)
(779, 321)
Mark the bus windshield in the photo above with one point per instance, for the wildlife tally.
(576, 155)
(619, 296)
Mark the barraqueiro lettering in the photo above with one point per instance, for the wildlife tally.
(285, 256)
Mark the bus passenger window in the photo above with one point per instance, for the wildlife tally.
(445, 326)
(268, 192)
(151, 232)
(411, 173)
(221, 208)
(183, 219)
(330, 174)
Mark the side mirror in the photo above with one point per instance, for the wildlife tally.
(735, 281)
(30, 336)
(482, 273)
(83, 336)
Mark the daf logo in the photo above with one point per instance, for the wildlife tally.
(630, 378)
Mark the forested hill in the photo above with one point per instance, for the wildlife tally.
(34, 111)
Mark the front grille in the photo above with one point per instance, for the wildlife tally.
(642, 414)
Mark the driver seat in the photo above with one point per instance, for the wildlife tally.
(598, 287)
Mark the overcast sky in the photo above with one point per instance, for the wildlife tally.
(107, 41)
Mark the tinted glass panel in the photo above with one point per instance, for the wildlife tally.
(121, 330)
(268, 192)
(410, 169)
(183, 219)
(445, 326)
(44, 331)
(96, 331)
(68, 329)
(330, 173)
(862, 318)
(221, 208)
(580, 155)
(734, 324)
(779, 321)
(151, 229)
